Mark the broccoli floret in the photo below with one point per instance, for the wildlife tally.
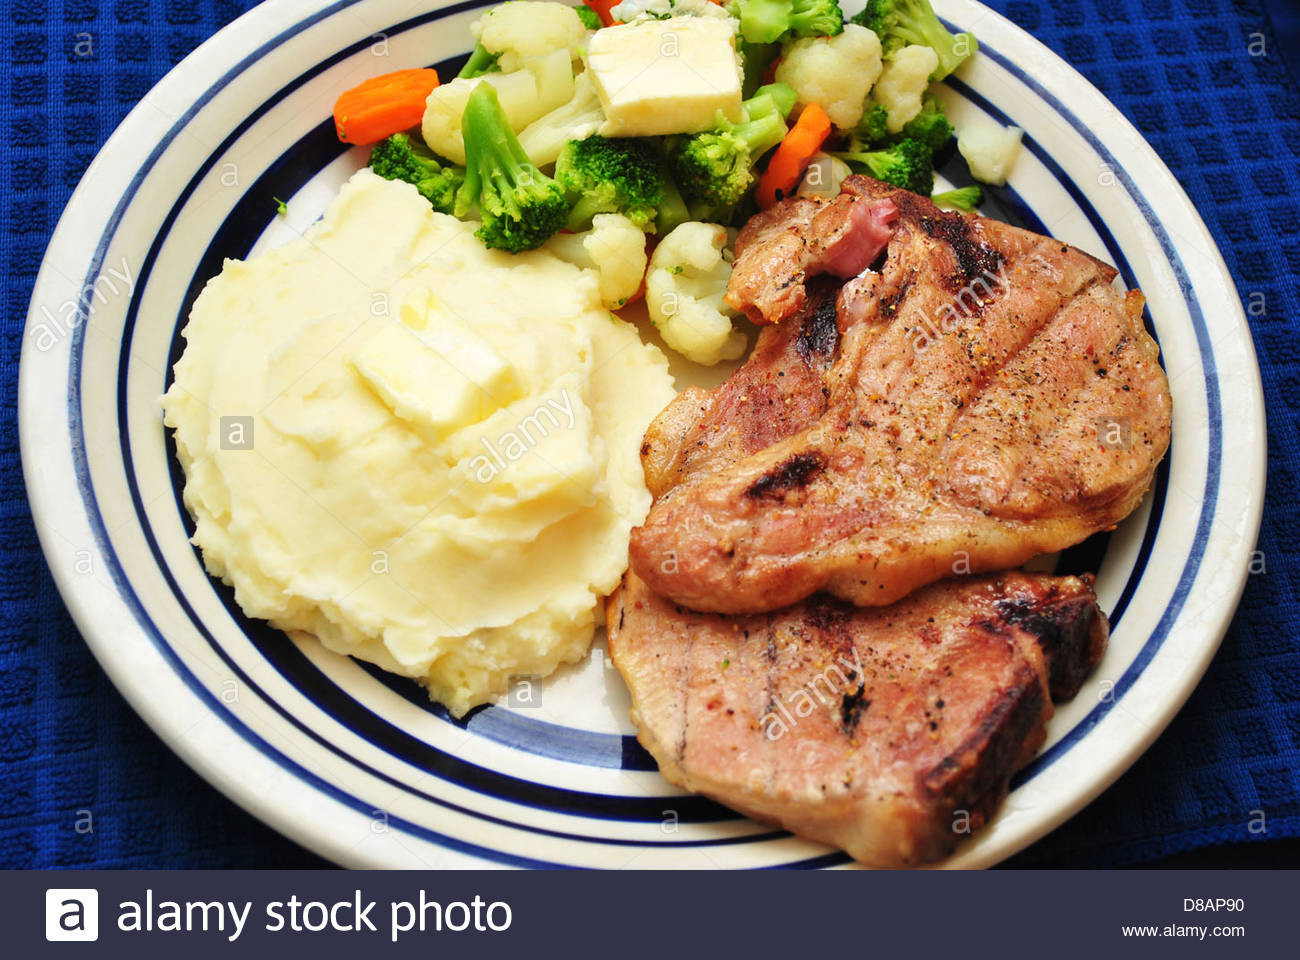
(673, 212)
(589, 17)
(766, 21)
(672, 208)
(873, 128)
(715, 168)
(762, 21)
(481, 61)
(963, 198)
(521, 207)
(816, 18)
(611, 175)
(402, 157)
(930, 126)
(905, 164)
(899, 23)
(926, 133)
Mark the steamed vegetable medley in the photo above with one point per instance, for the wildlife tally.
(630, 139)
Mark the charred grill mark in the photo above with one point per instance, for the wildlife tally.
(974, 259)
(976, 773)
(911, 206)
(994, 627)
(1063, 629)
(820, 336)
(852, 707)
(794, 473)
(830, 621)
(889, 304)
(827, 613)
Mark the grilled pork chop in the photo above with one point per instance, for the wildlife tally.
(988, 395)
(891, 732)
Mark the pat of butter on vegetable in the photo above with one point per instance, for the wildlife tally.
(666, 76)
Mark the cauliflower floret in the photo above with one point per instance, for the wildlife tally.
(523, 29)
(834, 72)
(989, 148)
(630, 11)
(614, 247)
(902, 83)
(543, 84)
(683, 291)
(545, 137)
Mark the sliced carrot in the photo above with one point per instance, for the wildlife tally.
(383, 106)
(791, 158)
(769, 75)
(602, 8)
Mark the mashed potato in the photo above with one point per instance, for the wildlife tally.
(420, 451)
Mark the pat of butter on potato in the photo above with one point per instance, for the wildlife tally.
(666, 76)
(434, 371)
(541, 449)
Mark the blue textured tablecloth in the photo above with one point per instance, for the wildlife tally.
(1228, 124)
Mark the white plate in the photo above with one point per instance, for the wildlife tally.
(361, 768)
